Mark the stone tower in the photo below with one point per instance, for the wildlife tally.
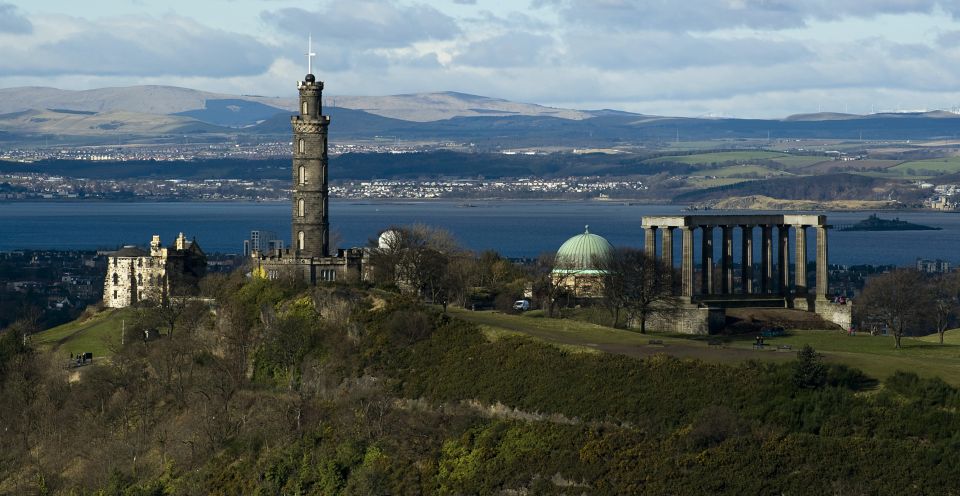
(311, 223)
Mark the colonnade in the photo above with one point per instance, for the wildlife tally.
(770, 283)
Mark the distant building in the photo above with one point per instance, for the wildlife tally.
(262, 241)
(577, 264)
(134, 274)
(933, 266)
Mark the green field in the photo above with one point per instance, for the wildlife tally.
(99, 334)
(924, 167)
(800, 161)
(874, 355)
(707, 182)
(716, 157)
(741, 170)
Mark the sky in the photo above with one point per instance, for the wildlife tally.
(731, 58)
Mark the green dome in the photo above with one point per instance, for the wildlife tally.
(580, 253)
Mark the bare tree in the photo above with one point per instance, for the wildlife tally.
(415, 258)
(944, 291)
(898, 299)
(637, 284)
(550, 278)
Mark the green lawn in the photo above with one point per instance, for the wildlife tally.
(874, 355)
(98, 334)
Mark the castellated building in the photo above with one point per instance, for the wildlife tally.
(310, 257)
(134, 274)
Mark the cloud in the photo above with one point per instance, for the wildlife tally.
(465, 2)
(663, 50)
(365, 24)
(12, 22)
(710, 15)
(512, 49)
(139, 46)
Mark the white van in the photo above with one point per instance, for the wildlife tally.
(521, 305)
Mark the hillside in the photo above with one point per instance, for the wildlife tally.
(820, 188)
(339, 390)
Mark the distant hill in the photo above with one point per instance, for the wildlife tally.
(78, 123)
(826, 187)
(234, 112)
(106, 113)
(214, 107)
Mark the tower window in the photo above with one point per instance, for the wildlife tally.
(114, 294)
(302, 172)
(300, 207)
(300, 240)
(303, 108)
(116, 279)
(301, 146)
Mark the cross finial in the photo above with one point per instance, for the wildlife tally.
(310, 54)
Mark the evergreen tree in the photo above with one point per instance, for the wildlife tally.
(810, 372)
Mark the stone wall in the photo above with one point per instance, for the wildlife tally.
(688, 319)
(842, 315)
(132, 279)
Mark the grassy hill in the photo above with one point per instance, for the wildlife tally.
(874, 355)
(98, 334)
(344, 390)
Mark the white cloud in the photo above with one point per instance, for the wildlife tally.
(171, 45)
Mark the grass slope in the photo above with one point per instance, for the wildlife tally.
(874, 355)
(98, 334)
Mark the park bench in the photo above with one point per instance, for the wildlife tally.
(784, 347)
(658, 342)
(715, 342)
(758, 346)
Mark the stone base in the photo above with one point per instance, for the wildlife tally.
(346, 266)
(800, 303)
(688, 319)
(842, 315)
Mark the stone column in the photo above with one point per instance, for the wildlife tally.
(686, 263)
(746, 258)
(766, 259)
(800, 261)
(650, 241)
(823, 283)
(783, 231)
(706, 260)
(726, 283)
(666, 249)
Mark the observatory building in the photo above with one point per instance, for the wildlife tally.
(578, 264)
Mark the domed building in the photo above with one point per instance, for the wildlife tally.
(579, 264)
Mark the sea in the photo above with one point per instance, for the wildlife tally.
(514, 228)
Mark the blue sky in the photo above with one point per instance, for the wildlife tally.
(742, 58)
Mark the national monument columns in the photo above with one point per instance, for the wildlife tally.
(729, 287)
